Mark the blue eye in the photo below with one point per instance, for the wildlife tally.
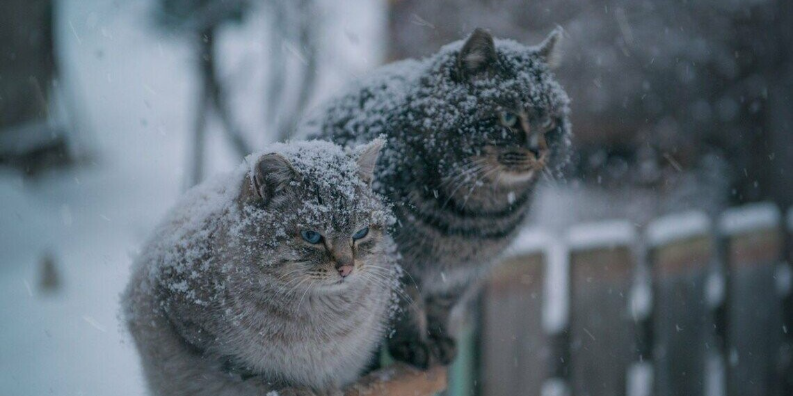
(360, 234)
(311, 236)
(508, 119)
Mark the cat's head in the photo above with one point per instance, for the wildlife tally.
(497, 109)
(314, 219)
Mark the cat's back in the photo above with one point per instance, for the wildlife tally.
(178, 244)
(365, 110)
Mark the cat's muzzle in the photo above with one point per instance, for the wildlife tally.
(513, 158)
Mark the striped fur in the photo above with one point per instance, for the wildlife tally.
(457, 124)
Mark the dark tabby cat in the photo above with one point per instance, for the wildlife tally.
(278, 277)
(470, 130)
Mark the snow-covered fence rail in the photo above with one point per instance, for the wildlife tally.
(691, 305)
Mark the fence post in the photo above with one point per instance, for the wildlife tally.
(753, 247)
(515, 350)
(681, 250)
(785, 280)
(556, 319)
(602, 331)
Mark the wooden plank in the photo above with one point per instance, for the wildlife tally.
(515, 352)
(602, 331)
(400, 380)
(753, 242)
(681, 250)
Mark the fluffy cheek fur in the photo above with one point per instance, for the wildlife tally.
(369, 250)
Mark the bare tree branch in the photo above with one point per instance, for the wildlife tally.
(307, 36)
(277, 72)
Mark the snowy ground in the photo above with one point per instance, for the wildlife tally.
(136, 90)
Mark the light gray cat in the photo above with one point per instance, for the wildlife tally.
(277, 277)
(470, 131)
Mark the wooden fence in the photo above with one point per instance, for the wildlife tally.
(688, 305)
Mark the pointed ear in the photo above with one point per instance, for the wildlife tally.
(271, 174)
(477, 55)
(367, 159)
(549, 49)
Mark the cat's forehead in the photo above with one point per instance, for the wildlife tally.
(525, 79)
(324, 167)
(334, 208)
(521, 81)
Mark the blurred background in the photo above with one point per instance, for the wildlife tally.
(657, 265)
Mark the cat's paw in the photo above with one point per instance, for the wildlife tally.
(424, 353)
(411, 351)
(443, 348)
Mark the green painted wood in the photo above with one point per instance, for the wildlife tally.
(462, 373)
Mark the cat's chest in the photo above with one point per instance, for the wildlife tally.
(326, 348)
(429, 233)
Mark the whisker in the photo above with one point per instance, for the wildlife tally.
(550, 177)
(473, 187)
(383, 281)
(498, 180)
(460, 185)
(304, 296)
(404, 272)
(385, 285)
(459, 180)
(296, 286)
(472, 168)
(466, 170)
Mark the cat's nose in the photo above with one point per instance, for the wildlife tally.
(537, 144)
(534, 151)
(345, 270)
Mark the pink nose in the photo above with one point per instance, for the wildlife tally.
(345, 270)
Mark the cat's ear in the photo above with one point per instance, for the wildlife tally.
(366, 159)
(271, 174)
(477, 55)
(549, 50)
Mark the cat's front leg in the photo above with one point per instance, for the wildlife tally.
(422, 338)
(408, 342)
(443, 345)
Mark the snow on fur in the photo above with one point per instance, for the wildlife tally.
(427, 94)
(179, 242)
